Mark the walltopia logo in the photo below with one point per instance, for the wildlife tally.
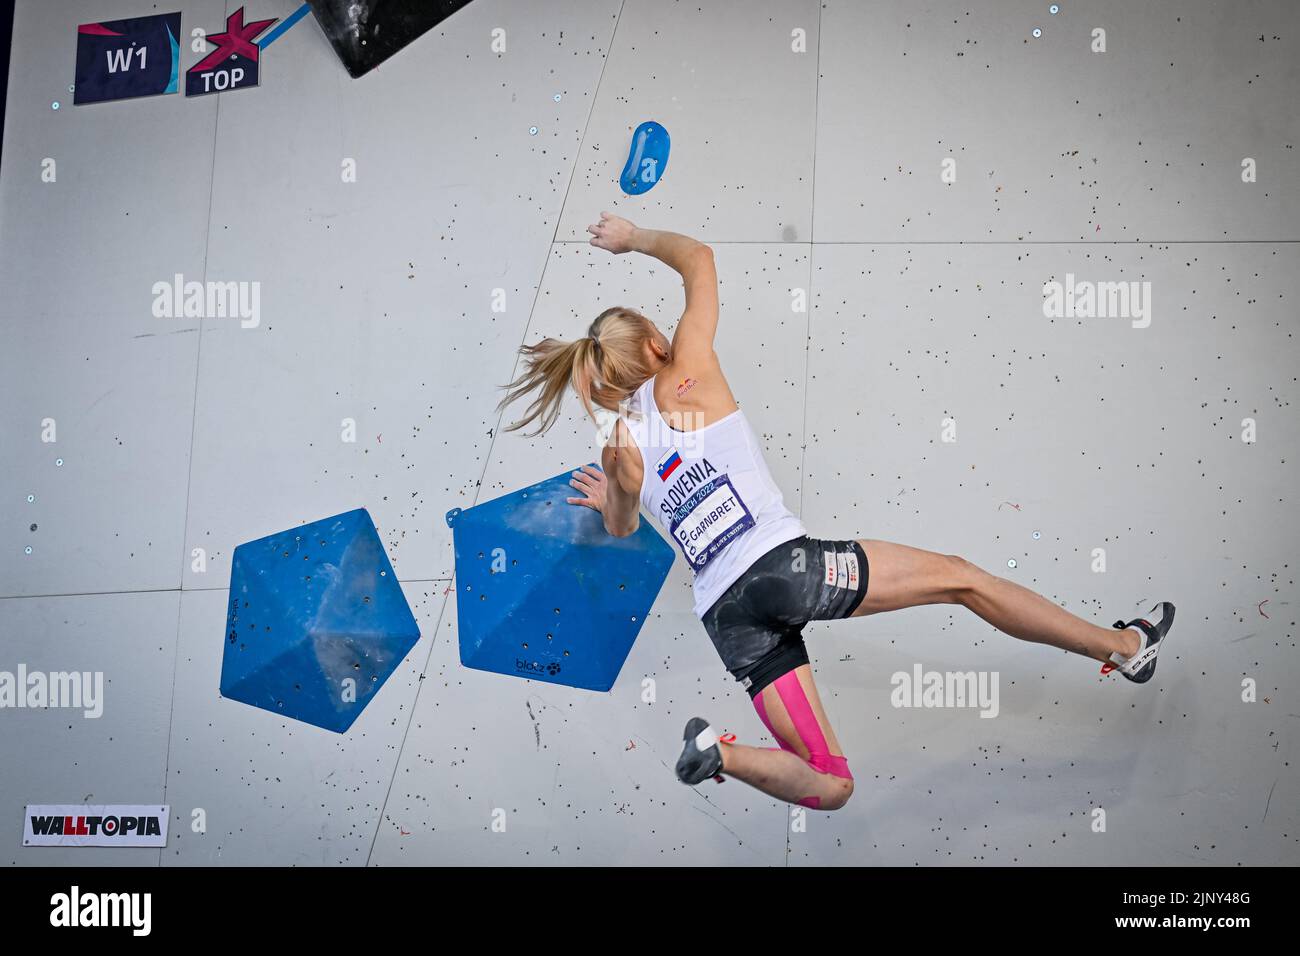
(179, 299)
(950, 689)
(93, 826)
(1098, 300)
(115, 825)
(74, 908)
(38, 690)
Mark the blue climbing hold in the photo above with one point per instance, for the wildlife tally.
(316, 623)
(544, 592)
(647, 159)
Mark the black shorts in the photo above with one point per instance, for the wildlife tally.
(757, 625)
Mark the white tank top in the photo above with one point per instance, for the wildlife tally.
(711, 492)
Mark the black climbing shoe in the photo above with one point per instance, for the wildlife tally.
(1142, 665)
(701, 756)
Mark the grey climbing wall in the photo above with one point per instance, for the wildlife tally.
(887, 187)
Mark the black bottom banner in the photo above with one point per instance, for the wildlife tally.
(223, 906)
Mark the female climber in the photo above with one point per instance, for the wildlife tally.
(682, 449)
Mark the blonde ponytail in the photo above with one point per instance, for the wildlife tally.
(604, 368)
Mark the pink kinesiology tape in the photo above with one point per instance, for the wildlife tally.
(806, 727)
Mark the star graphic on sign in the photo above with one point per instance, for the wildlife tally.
(236, 41)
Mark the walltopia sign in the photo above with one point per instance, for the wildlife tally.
(126, 825)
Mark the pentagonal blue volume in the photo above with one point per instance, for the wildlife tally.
(316, 622)
(544, 592)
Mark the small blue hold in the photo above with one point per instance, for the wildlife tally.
(647, 159)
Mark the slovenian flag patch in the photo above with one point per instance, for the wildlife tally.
(668, 464)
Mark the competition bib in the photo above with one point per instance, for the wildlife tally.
(709, 520)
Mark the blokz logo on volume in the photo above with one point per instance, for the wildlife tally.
(115, 825)
(536, 667)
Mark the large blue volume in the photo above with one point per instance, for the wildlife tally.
(544, 592)
(317, 621)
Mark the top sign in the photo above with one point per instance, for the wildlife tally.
(233, 64)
